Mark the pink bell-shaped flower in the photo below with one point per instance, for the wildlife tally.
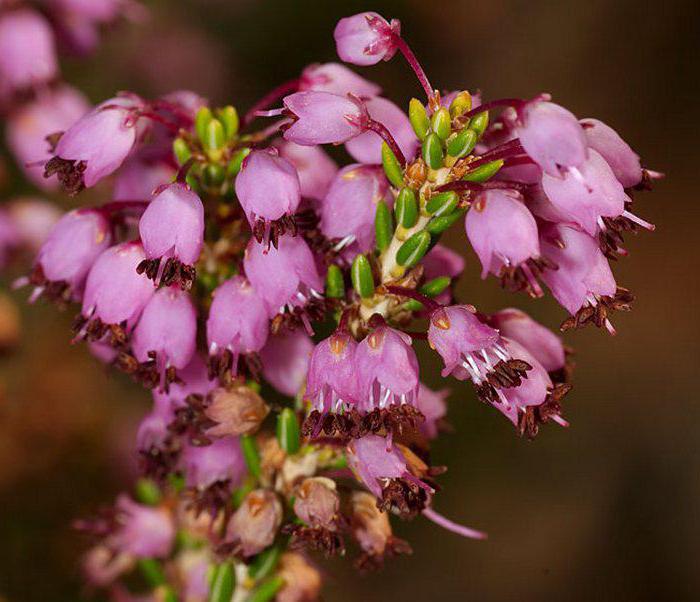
(366, 38)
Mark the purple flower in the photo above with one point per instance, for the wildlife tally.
(268, 188)
(30, 124)
(349, 209)
(172, 228)
(220, 461)
(583, 275)
(386, 369)
(367, 147)
(139, 178)
(237, 322)
(114, 292)
(503, 233)
(34, 218)
(442, 261)
(433, 406)
(315, 168)
(545, 346)
(552, 136)
(285, 360)
(27, 49)
(323, 118)
(473, 350)
(193, 379)
(366, 38)
(168, 329)
(587, 194)
(623, 161)
(331, 383)
(96, 145)
(337, 79)
(143, 531)
(317, 502)
(71, 249)
(283, 277)
(153, 428)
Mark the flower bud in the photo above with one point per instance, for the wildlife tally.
(267, 187)
(27, 50)
(237, 411)
(623, 161)
(370, 526)
(72, 247)
(172, 228)
(285, 276)
(221, 461)
(114, 292)
(237, 320)
(552, 136)
(139, 178)
(254, 525)
(348, 210)
(96, 145)
(337, 79)
(316, 502)
(323, 118)
(367, 148)
(285, 360)
(29, 125)
(168, 327)
(366, 38)
(143, 531)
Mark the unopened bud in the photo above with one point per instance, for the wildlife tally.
(254, 525)
(370, 526)
(237, 411)
(317, 502)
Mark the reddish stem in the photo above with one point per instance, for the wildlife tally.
(271, 97)
(478, 187)
(502, 152)
(412, 60)
(501, 102)
(429, 304)
(381, 130)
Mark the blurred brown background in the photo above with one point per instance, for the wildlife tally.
(606, 510)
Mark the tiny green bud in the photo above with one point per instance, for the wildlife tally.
(479, 122)
(234, 165)
(432, 151)
(288, 431)
(215, 136)
(264, 563)
(439, 224)
(201, 122)
(267, 590)
(181, 151)
(418, 117)
(412, 305)
(362, 278)
(413, 250)
(406, 208)
(461, 104)
(229, 118)
(335, 285)
(392, 167)
(463, 143)
(223, 583)
(442, 203)
(435, 286)
(251, 455)
(441, 123)
(484, 172)
(147, 492)
(383, 227)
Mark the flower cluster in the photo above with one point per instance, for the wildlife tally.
(231, 258)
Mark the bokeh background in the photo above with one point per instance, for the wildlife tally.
(606, 510)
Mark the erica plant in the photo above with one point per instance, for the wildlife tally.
(236, 252)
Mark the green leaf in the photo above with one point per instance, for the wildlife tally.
(229, 118)
(406, 208)
(288, 431)
(266, 591)
(442, 203)
(264, 563)
(439, 224)
(181, 151)
(435, 286)
(223, 583)
(460, 145)
(441, 123)
(201, 123)
(335, 284)
(484, 172)
(250, 454)
(413, 250)
(461, 104)
(147, 492)
(392, 168)
(215, 136)
(152, 571)
(362, 278)
(418, 117)
(234, 165)
(432, 151)
(479, 122)
(383, 226)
